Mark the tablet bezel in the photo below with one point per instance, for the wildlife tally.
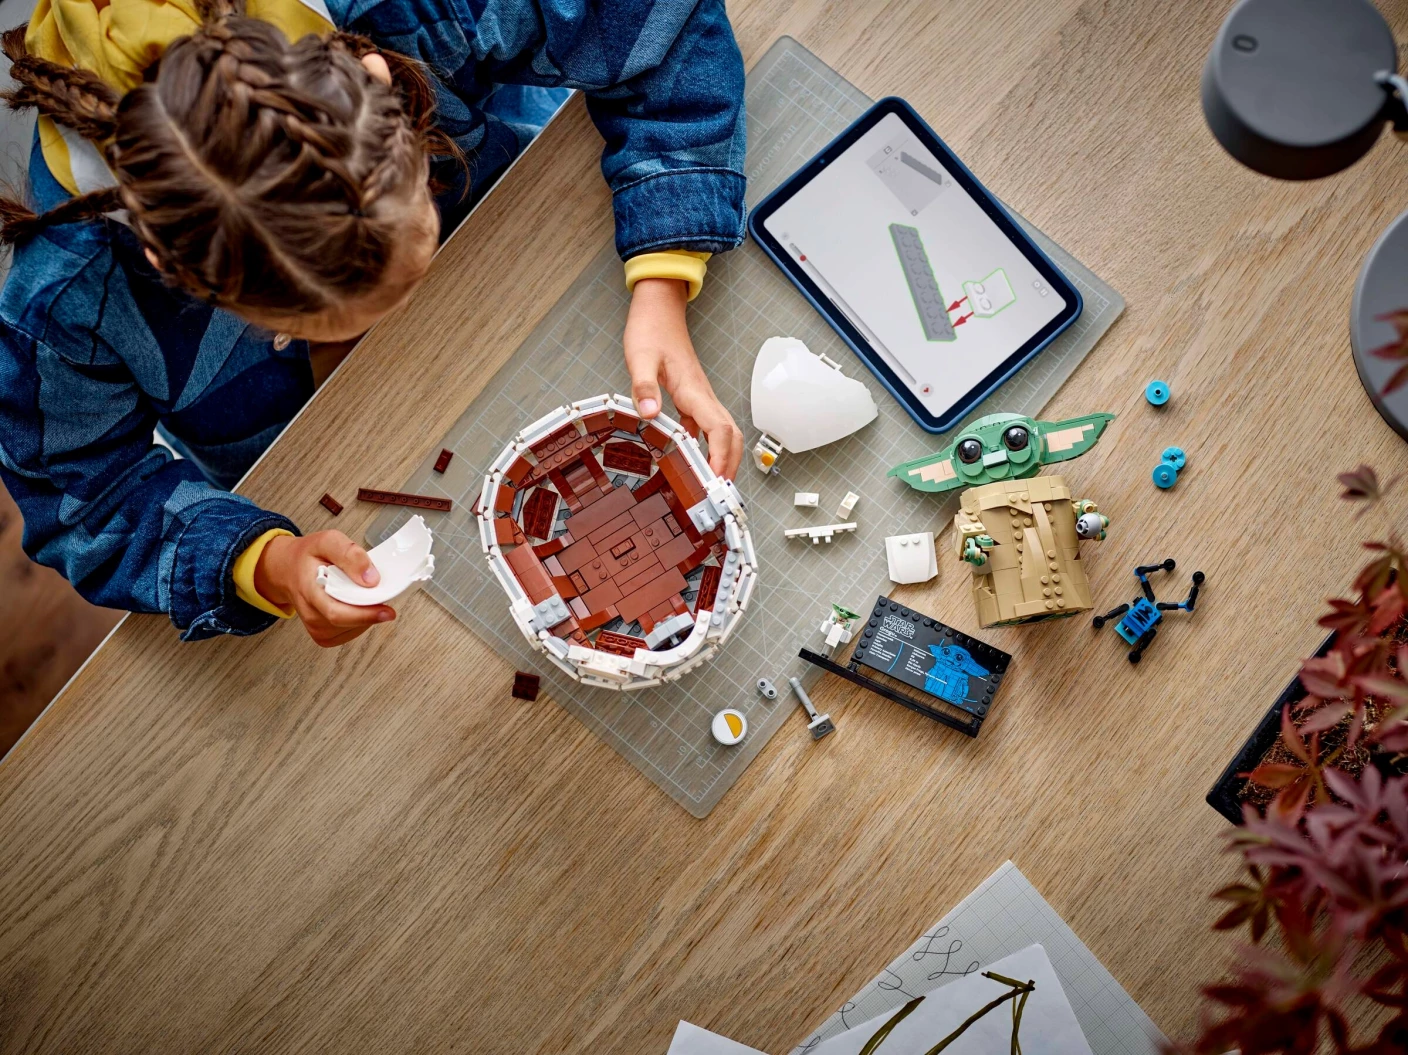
(837, 318)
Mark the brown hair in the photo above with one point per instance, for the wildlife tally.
(260, 173)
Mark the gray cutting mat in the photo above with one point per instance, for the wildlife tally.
(1004, 915)
(796, 105)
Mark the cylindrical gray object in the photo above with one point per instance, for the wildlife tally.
(1288, 87)
(1382, 289)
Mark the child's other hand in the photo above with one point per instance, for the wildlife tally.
(659, 352)
(287, 575)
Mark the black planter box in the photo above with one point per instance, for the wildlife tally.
(1226, 794)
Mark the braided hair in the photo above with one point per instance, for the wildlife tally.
(259, 174)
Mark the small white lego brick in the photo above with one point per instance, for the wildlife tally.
(806, 499)
(847, 505)
(911, 557)
(820, 533)
(732, 536)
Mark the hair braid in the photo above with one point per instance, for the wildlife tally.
(76, 98)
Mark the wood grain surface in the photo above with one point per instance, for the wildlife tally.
(46, 630)
(256, 845)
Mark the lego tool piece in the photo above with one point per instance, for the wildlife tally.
(525, 686)
(1157, 393)
(729, 727)
(820, 724)
(400, 498)
(331, 504)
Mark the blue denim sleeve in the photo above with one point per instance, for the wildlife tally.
(675, 133)
(130, 526)
(663, 81)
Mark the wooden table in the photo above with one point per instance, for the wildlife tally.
(258, 845)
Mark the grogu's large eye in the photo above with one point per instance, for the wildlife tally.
(969, 451)
(1016, 438)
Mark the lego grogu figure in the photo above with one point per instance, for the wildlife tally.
(1018, 531)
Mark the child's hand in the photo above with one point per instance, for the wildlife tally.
(659, 352)
(287, 572)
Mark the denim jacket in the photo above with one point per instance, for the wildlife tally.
(95, 350)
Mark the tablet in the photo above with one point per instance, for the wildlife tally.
(918, 267)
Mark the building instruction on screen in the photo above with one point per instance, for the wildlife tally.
(916, 265)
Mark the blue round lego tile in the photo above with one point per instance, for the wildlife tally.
(1156, 392)
(1165, 475)
(1175, 457)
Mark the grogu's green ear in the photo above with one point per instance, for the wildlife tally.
(1063, 440)
(933, 472)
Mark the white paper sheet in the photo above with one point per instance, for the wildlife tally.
(690, 1039)
(1049, 1026)
(1004, 914)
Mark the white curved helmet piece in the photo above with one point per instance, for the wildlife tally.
(801, 400)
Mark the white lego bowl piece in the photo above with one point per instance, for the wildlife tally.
(403, 561)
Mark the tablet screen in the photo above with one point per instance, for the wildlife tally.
(918, 267)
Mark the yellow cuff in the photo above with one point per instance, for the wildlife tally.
(243, 573)
(682, 264)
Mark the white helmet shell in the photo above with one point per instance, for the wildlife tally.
(803, 399)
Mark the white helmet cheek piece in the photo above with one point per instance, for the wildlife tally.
(801, 400)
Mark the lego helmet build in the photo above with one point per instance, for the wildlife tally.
(802, 400)
(626, 561)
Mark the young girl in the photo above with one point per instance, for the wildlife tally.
(214, 192)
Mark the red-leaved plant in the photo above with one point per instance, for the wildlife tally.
(1328, 859)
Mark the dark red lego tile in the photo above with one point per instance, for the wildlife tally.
(331, 504)
(400, 498)
(525, 686)
(626, 457)
(443, 462)
(537, 513)
(619, 644)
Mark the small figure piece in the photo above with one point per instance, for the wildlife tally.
(331, 504)
(1034, 572)
(837, 627)
(729, 726)
(806, 499)
(1157, 393)
(766, 689)
(847, 505)
(399, 498)
(1140, 618)
(443, 462)
(820, 724)
(802, 400)
(525, 686)
(820, 533)
(911, 557)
